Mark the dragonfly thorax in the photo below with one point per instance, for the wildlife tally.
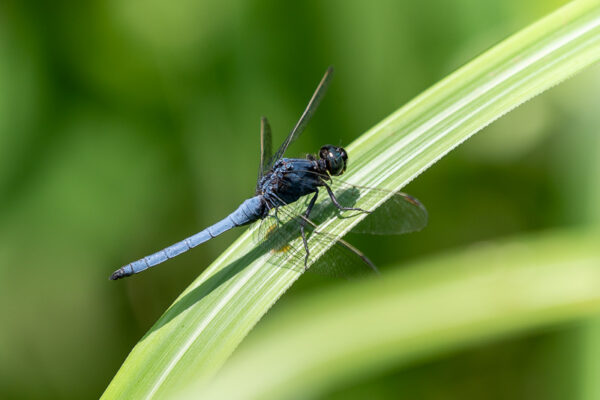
(334, 158)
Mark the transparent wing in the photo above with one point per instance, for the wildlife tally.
(266, 147)
(393, 213)
(279, 230)
(281, 224)
(305, 117)
(398, 214)
(341, 259)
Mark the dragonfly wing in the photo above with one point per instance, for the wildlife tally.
(400, 213)
(340, 259)
(281, 225)
(305, 117)
(393, 213)
(278, 231)
(266, 147)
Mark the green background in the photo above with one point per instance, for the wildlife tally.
(126, 126)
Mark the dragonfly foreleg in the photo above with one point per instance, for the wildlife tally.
(303, 225)
(335, 201)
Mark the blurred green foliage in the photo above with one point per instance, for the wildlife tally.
(125, 126)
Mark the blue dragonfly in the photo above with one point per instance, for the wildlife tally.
(286, 193)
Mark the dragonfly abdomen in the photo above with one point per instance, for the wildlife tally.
(249, 211)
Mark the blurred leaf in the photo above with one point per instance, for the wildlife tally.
(437, 305)
(200, 330)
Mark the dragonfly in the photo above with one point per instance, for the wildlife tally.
(286, 195)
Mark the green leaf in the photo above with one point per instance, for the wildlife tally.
(438, 305)
(195, 336)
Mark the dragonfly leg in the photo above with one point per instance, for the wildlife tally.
(337, 203)
(277, 215)
(303, 225)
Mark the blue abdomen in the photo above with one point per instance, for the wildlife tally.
(249, 211)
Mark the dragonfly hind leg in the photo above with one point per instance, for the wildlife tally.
(335, 201)
(303, 225)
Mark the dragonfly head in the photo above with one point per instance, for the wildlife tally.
(335, 159)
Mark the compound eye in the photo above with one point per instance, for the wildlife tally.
(325, 152)
(344, 154)
(344, 159)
